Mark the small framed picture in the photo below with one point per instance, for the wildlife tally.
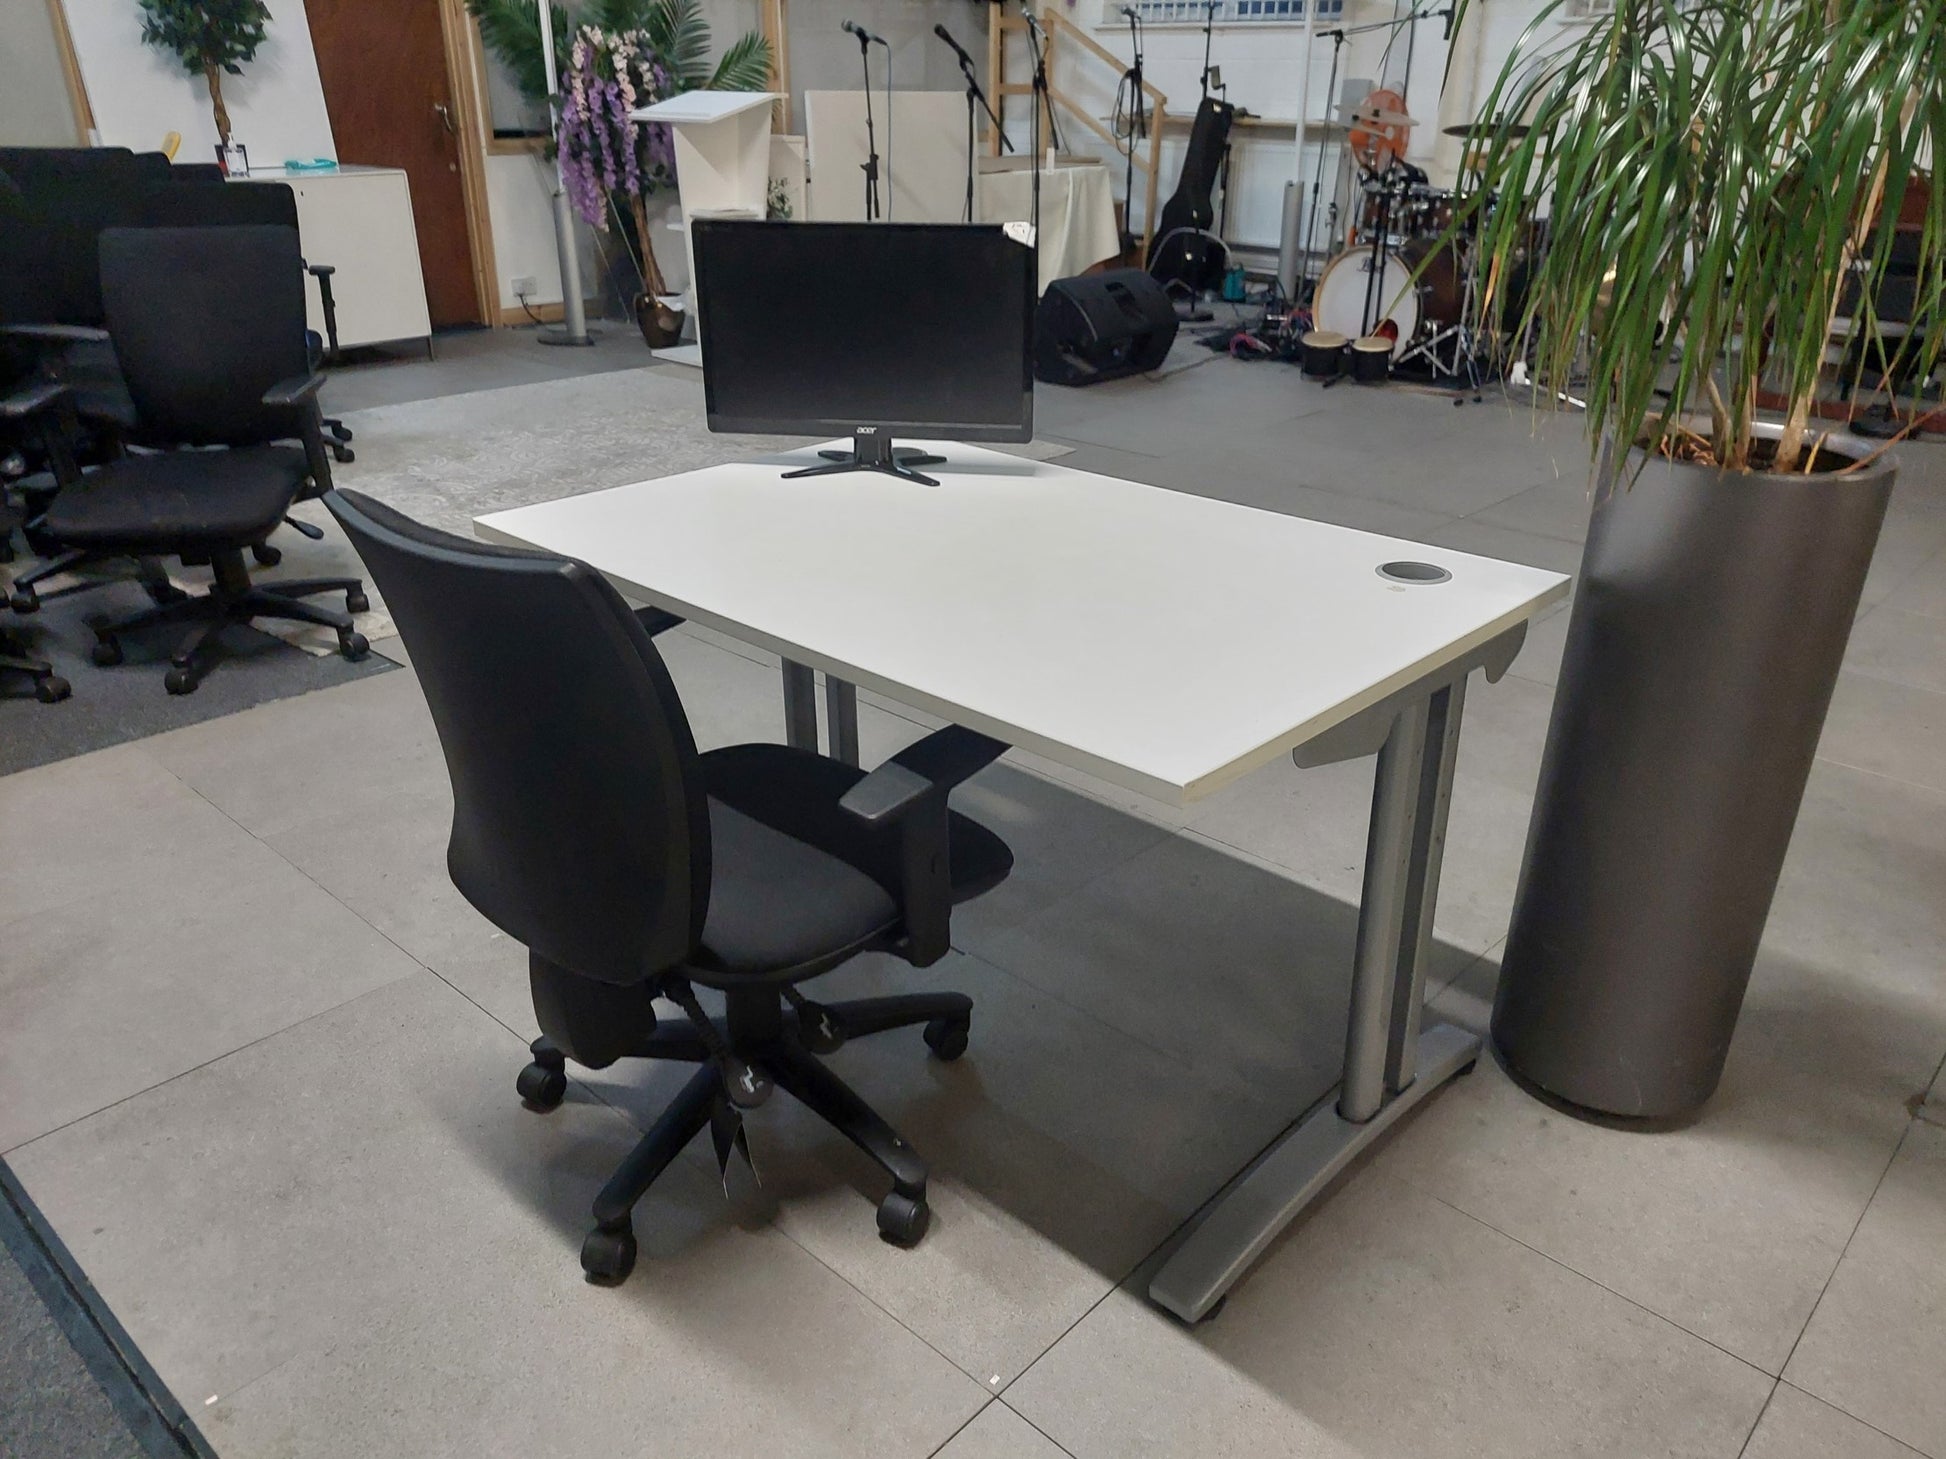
(233, 159)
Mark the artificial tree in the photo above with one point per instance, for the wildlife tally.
(210, 38)
(1721, 180)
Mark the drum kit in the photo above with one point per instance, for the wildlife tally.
(1400, 288)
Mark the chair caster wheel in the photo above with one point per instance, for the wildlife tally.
(354, 646)
(163, 593)
(541, 1088)
(903, 1219)
(1467, 1068)
(946, 1037)
(106, 653)
(179, 681)
(344, 455)
(53, 689)
(357, 603)
(266, 555)
(608, 1256)
(24, 600)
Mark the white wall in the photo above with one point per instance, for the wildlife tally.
(139, 94)
(34, 106)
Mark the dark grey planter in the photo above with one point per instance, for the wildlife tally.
(1708, 629)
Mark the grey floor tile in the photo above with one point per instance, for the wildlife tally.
(1061, 1153)
(1388, 1325)
(1797, 1426)
(1889, 728)
(1552, 509)
(1923, 591)
(1907, 648)
(1731, 1227)
(1218, 960)
(91, 825)
(997, 1432)
(1913, 537)
(1876, 1344)
(1314, 822)
(206, 945)
(1477, 535)
(358, 1242)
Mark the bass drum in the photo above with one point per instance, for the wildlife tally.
(1339, 303)
(1442, 295)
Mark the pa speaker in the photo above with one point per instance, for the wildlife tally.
(1102, 326)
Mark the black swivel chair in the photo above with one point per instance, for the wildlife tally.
(49, 686)
(209, 326)
(227, 205)
(588, 828)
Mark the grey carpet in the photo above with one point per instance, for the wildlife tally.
(128, 702)
(449, 460)
(71, 1384)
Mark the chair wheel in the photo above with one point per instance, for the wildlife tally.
(541, 1088)
(107, 652)
(344, 454)
(266, 555)
(162, 593)
(608, 1256)
(24, 600)
(354, 646)
(179, 681)
(53, 689)
(357, 603)
(903, 1219)
(946, 1037)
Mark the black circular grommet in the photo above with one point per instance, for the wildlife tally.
(1416, 573)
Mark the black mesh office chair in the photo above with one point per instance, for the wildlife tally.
(209, 325)
(588, 828)
(49, 687)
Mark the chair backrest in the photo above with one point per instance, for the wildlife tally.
(205, 320)
(580, 827)
(219, 205)
(38, 169)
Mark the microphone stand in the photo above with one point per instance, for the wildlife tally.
(1137, 126)
(870, 164)
(976, 100)
(1040, 99)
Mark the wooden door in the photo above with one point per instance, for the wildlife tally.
(383, 65)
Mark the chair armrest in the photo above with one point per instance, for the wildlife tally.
(55, 333)
(656, 620)
(938, 762)
(908, 794)
(294, 391)
(33, 399)
(320, 270)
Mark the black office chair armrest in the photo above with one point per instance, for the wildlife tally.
(55, 333)
(32, 399)
(294, 391)
(908, 792)
(938, 762)
(656, 620)
(320, 270)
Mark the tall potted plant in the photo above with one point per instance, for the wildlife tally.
(1721, 176)
(212, 38)
(618, 55)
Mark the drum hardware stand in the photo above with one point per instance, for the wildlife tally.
(1466, 347)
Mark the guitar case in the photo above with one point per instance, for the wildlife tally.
(1181, 250)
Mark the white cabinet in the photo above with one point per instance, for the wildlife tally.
(359, 220)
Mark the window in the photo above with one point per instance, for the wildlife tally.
(1228, 12)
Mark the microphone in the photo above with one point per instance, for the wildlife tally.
(852, 27)
(958, 50)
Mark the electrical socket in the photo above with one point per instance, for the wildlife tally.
(523, 285)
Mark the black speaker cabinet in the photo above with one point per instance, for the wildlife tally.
(1097, 327)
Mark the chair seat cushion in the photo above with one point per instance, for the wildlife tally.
(795, 881)
(180, 501)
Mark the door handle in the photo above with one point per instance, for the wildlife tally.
(446, 117)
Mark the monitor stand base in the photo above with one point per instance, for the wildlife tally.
(873, 452)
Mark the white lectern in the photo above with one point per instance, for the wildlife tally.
(722, 165)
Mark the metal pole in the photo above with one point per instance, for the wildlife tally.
(1287, 250)
(800, 707)
(574, 318)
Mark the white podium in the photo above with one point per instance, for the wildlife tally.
(722, 160)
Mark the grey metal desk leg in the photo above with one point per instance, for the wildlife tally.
(1389, 1065)
(800, 707)
(841, 718)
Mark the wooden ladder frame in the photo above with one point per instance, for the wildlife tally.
(1003, 24)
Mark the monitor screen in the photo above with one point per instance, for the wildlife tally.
(919, 329)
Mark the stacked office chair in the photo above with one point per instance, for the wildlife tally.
(49, 687)
(221, 205)
(587, 827)
(209, 327)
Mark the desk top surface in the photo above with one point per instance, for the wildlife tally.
(703, 106)
(1163, 641)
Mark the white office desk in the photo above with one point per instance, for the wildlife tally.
(1162, 641)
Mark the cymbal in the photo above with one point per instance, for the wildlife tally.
(1484, 128)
